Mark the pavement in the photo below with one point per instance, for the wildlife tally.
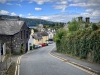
(5, 63)
(93, 67)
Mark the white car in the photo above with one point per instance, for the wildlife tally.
(50, 42)
(39, 45)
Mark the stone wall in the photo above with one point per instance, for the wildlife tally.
(6, 39)
(14, 42)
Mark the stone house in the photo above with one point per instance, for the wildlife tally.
(13, 35)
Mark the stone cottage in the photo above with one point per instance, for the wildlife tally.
(13, 35)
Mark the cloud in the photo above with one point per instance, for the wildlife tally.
(9, 4)
(38, 9)
(29, 14)
(89, 10)
(13, 14)
(62, 2)
(96, 13)
(40, 2)
(4, 12)
(65, 17)
(21, 15)
(3, 1)
(18, 5)
(61, 7)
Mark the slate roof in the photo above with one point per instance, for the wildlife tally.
(10, 27)
(44, 33)
(39, 35)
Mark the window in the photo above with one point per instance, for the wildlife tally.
(21, 34)
(24, 34)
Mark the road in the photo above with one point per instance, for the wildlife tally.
(40, 62)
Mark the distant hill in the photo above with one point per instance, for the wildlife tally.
(30, 22)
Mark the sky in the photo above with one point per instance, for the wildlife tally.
(52, 10)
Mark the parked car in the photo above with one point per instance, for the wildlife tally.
(39, 45)
(50, 42)
(36, 46)
(46, 44)
(43, 44)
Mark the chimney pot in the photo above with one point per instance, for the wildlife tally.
(87, 19)
(18, 18)
(80, 19)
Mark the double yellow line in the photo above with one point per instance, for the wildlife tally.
(63, 59)
(17, 69)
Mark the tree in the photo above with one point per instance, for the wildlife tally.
(74, 25)
(59, 35)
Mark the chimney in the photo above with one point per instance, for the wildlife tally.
(80, 19)
(87, 20)
(18, 18)
(0, 17)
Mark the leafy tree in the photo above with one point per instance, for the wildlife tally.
(59, 35)
(74, 25)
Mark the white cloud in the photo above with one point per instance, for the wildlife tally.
(3, 1)
(18, 5)
(40, 2)
(4, 12)
(66, 17)
(84, 4)
(96, 13)
(89, 10)
(29, 14)
(21, 15)
(38, 9)
(61, 7)
(62, 2)
(13, 14)
(9, 4)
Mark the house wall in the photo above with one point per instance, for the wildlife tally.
(30, 42)
(50, 35)
(38, 41)
(45, 38)
(7, 40)
(14, 42)
(20, 39)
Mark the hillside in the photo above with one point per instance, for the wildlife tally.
(30, 22)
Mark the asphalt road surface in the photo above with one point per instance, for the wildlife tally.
(40, 62)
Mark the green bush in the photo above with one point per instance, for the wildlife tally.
(80, 44)
(94, 27)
